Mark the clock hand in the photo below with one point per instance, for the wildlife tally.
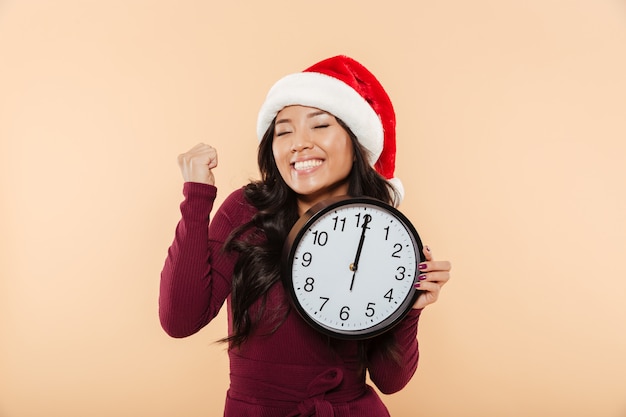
(355, 265)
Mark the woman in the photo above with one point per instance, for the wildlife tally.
(327, 131)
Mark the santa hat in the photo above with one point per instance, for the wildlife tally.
(346, 89)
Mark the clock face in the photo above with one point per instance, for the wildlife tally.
(350, 265)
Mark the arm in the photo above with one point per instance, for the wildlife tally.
(389, 376)
(385, 373)
(195, 279)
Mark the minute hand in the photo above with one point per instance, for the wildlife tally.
(355, 265)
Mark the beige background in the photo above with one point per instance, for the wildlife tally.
(511, 130)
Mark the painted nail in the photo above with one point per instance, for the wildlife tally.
(422, 277)
(422, 266)
(416, 285)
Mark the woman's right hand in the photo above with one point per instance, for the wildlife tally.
(196, 164)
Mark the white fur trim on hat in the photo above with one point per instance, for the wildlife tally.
(329, 94)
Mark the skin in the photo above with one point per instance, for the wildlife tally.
(314, 156)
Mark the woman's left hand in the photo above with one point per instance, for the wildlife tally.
(433, 276)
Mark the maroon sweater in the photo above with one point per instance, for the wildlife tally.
(292, 371)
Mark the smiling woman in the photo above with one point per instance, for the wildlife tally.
(326, 132)
(510, 148)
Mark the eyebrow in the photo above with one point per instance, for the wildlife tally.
(309, 116)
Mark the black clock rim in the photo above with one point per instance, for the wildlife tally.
(295, 234)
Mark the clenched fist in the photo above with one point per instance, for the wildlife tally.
(196, 164)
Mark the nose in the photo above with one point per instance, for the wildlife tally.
(301, 141)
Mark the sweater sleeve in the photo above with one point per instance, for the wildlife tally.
(388, 375)
(196, 277)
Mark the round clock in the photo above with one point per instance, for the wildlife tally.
(349, 265)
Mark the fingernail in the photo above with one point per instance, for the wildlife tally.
(416, 285)
(422, 266)
(422, 277)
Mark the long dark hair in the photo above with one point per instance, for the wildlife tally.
(259, 242)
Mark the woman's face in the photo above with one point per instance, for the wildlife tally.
(313, 153)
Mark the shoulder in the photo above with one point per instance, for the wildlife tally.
(236, 206)
(237, 198)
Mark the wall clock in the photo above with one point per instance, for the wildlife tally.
(349, 265)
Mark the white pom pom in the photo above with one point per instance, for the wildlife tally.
(397, 185)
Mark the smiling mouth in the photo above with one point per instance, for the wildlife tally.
(308, 164)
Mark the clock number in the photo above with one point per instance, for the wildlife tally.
(358, 219)
(308, 286)
(306, 259)
(401, 270)
(369, 311)
(337, 221)
(386, 232)
(398, 248)
(389, 295)
(324, 303)
(344, 314)
(320, 238)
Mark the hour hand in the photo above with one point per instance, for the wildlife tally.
(355, 265)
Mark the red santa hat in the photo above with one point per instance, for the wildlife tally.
(349, 91)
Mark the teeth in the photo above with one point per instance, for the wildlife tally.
(311, 163)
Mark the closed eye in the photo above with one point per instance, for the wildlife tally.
(321, 126)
